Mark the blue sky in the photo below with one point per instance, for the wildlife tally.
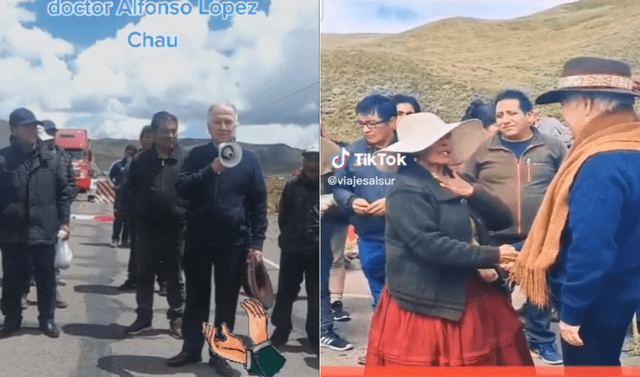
(385, 16)
(81, 71)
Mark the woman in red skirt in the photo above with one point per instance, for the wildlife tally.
(444, 303)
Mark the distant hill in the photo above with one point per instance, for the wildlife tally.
(449, 61)
(276, 159)
(5, 132)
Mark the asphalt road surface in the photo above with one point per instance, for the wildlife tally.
(92, 341)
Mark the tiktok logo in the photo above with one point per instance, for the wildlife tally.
(340, 160)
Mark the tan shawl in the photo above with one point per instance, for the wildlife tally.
(608, 132)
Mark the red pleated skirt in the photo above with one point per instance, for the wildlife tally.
(488, 334)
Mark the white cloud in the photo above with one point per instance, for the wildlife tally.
(114, 89)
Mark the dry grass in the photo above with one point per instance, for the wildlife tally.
(275, 185)
(445, 63)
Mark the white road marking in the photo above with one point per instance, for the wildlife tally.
(82, 217)
(356, 295)
(267, 261)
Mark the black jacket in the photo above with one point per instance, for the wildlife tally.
(226, 208)
(67, 161)
(429, 258)
(151, 185)
(298, 216)
(34, 196)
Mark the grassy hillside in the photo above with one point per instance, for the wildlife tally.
(447, 62)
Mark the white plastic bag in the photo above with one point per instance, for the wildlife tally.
(63, 252)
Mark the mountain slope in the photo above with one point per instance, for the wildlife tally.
(448, 61)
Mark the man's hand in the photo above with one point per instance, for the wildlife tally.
(507, 254)
(360, 207)
(67, 232)
(217, 166)
(508, 267)
(231, 348)
(257, 320)
(570, 334)
(377, 208)
(258, 253)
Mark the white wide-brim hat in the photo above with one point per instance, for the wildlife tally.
(417, 132)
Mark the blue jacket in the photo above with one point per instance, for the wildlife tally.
(600, 256)
(229, 208)
(367, 227)
(117, 172)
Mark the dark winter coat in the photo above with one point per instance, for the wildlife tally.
(429, 259)
(34, 196)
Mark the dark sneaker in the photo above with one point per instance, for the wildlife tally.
(138, 326)
(128, 286)
(60, 303)
(114, 243)
(547, 353)
(175, 326)
(163, 289)
(339, 314)
(279, 337)
(332, 340)
(222, 367)
(50, 329)
(182, 359)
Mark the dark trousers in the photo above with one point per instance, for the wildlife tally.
(120, 225)
(229, 263)
(326, 259)
(16, 260)
(132, 267)
(294, 266)
(602, 331)
(151, 246)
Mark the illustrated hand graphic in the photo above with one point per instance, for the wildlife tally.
(257, 320)
(231, 348)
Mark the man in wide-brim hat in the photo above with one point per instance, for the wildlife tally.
(585, 239)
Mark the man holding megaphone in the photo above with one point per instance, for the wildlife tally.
(226, 220)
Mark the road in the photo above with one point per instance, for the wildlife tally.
(357, 302)
(92, 341)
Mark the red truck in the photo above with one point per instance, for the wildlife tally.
(76, 142)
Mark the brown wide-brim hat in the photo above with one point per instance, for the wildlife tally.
(256, 282)
(592, 75)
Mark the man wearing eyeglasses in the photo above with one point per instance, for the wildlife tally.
(365, 204)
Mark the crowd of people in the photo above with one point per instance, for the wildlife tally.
(185, 215)
(503, 196)
(440, 247)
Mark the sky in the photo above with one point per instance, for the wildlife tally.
(81, 71)
(396, 16)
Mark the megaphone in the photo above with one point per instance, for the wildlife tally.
(230, 154)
